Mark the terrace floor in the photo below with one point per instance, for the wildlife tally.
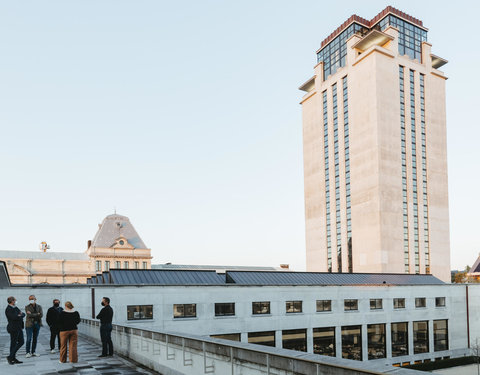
(48, 364)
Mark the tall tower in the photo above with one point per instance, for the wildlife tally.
(375, 162)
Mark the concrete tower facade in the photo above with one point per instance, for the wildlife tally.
(375, 162)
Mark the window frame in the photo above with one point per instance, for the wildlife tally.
(183, 316)
(350, 300)
(396, 300)
(294, 305)
(140, 306)
(376, 305)
(223, 304)
(437, 304)
(419, 299)
(261, 313)
(323, 303)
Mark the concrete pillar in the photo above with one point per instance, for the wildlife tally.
(430, 337)
(388, 339)
(244, 337)
(278, 339)
(410, 338)
(364, 343)
(338, 342)
(310, 340)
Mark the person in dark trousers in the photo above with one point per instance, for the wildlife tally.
(105, 315)
(14, 328)
(53, 314)
(33, 322)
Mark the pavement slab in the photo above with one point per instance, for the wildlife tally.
(48, 363)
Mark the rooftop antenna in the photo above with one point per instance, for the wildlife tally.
(115, 210)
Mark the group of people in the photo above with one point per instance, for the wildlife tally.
(63, 328)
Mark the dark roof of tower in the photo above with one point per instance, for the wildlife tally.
(113, 227)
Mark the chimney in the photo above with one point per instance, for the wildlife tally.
(89, 243)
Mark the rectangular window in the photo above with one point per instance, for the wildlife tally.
(125, 265)
(324, 305)
(295, 339)
(376, 304)
(420, 337)
(440, 335)
(225, 309)
(399, 303)
(139, 312)
(439, 301)
(227, 336)
(259, 308)
(137, 265)
(144, 265)
(420, 302)
(352, 342)
(376, 341)
(107, 265)
(266, 338)
(399, 339)
(351, 304)
(324, 341)
(98, 265)
(185, 310)
(293, 307)
(118, 264)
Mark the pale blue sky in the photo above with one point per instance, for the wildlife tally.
(185, 116)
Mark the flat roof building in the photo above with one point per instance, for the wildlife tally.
(375, 164)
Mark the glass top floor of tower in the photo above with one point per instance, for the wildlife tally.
(412, 33)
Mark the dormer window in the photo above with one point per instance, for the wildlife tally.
(121, 242)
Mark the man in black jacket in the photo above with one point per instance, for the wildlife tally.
(105, 315)
(53, 314)
(14, 328)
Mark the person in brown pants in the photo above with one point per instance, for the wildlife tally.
(68, 320)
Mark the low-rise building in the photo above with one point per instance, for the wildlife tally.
(115, 245)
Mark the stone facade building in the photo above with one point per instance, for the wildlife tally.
(115, 245)
(375, 162)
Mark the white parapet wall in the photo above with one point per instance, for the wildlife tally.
(179, 354)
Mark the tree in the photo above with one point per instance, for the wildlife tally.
(460, 278)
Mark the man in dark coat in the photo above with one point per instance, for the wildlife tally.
(53, 314)
(14, 328)
(106, 315)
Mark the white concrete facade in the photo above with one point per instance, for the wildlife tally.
(206, 323)
(373, 137)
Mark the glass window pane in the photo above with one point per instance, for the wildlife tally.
(399, 339)
(324, 341)
(352, 342)
(376, 341)
(295, 339)
(420, 337)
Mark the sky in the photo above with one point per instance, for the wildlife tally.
(185, 117)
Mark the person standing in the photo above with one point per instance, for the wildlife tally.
(33, 322)
(14, 328)
(67, 323)
(53, 314)
(106, 315)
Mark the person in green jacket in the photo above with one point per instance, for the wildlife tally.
(33, 322)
